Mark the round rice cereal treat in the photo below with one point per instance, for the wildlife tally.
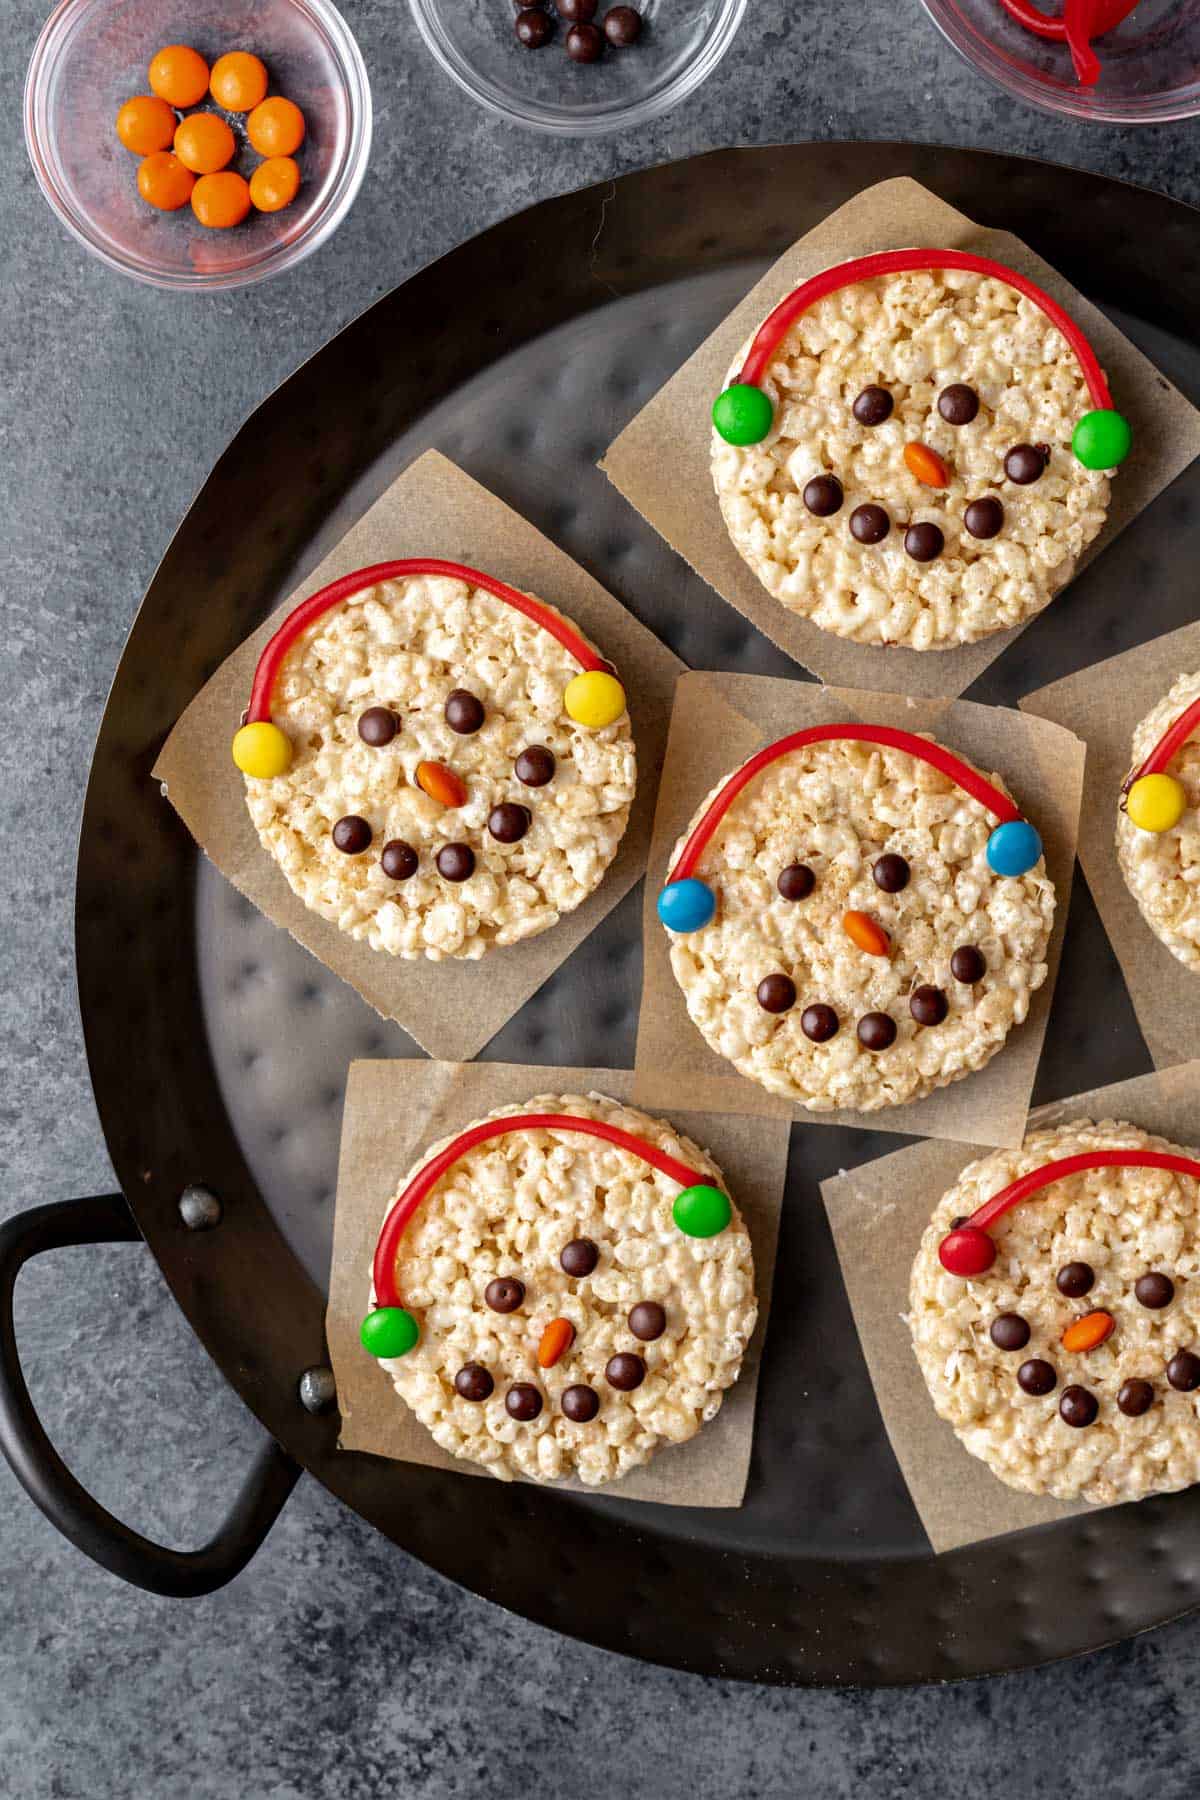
(538, 1229)
(948, 361)
(440, 801)
(863, 951)
(1110, 1257)
(1162, 868)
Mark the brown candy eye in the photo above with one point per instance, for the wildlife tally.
(464, 713)
(796, 882)
(873, 406)
(958, 403)
(505, 1294)
(473, 1382)
(378, 726)
(535, 766)
(823, 496)
(1026, 463)
(924, 541)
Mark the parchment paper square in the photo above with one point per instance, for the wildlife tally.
(1103, 705)
(718, 721)
(393, 1111)
(877, 1213)
(660, 462)
(451, 1008)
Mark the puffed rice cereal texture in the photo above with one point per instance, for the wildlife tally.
(406, 645)
(1124, 1223)
(837, 807)
(915, 334)
(508, 1207)
(1162, 869)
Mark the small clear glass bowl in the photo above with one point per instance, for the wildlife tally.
(1149, 65)
(681, 44)
(93, 54)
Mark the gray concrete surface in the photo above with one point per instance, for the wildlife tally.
(114, 401)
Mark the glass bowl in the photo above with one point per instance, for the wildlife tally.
(1149, 65)
(93, 54)
(681, 44)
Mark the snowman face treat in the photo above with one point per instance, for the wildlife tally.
(439, 763)
(914, 449)
(857, 917)
(563, 1288)
(1158, 821)
(1055, 1312)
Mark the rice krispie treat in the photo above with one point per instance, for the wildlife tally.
(1158, 821)
(849, 924)
(438, 763)
(913, 449)
(578, 1290)
(1055, 1312)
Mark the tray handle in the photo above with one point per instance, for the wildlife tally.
(180, 1574)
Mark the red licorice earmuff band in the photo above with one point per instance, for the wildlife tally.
(699, 1210)
(261, 749)
(687, 904)
(968, 1250)
(743, 414)
(1154, 800)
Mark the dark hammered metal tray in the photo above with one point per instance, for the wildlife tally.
(520, 355)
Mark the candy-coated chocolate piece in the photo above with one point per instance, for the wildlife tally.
(522, 1402)
(647, 1320)
(819, 1023)
(594, 699)
(463, 712)
(1078, 1407)
(701, 1211)
(967, 1251)
(924, 541)
(262, 750)
(926, 465)
(1036, 1377)
(389, 1331)
(1009, 1331)
(473, 1382)
(891, 873)
(823, 496)
(1026, 463)
(928, 1005)
(876, 1031)
(1084, 1334)
(686, 905)
(862, 930)
(958, 403)
(968, 965)
(1154, 1290)
(1102, 439)
(796, 882)
(776, 993)
(743, 414)
(1013, 848)
(378, 726)
(984, 518)
(869, 524)
(1075, 1279)
(1156, 802)
(399, 860)
(580, 1403)
(1134, 1398)
(1183, 1371)
(352, 835)
(578, 1258)
(555, 1341)
(504, 1294)
(873, 406)
(455, 862)
(441, 783)
(625, 1371)
(535, 766)
(509, 822)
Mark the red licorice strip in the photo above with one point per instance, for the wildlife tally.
(388, 1247)
(1030, 1184)
(354, 583)
(898, 262)
(1172, 740)
(1080, 23)
(950, 765)
(1106, 15)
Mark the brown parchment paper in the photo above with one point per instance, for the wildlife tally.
(451, 1008)
(394, 1110)
(878, 1213)
(660, 462)
(718, 721)
(1104, 705)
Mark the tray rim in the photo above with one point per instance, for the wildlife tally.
(252, 1366)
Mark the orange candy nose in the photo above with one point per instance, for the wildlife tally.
(926, 465)
(441, 783)
(1086, 1333)
(556, 1340)
(862, 930)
